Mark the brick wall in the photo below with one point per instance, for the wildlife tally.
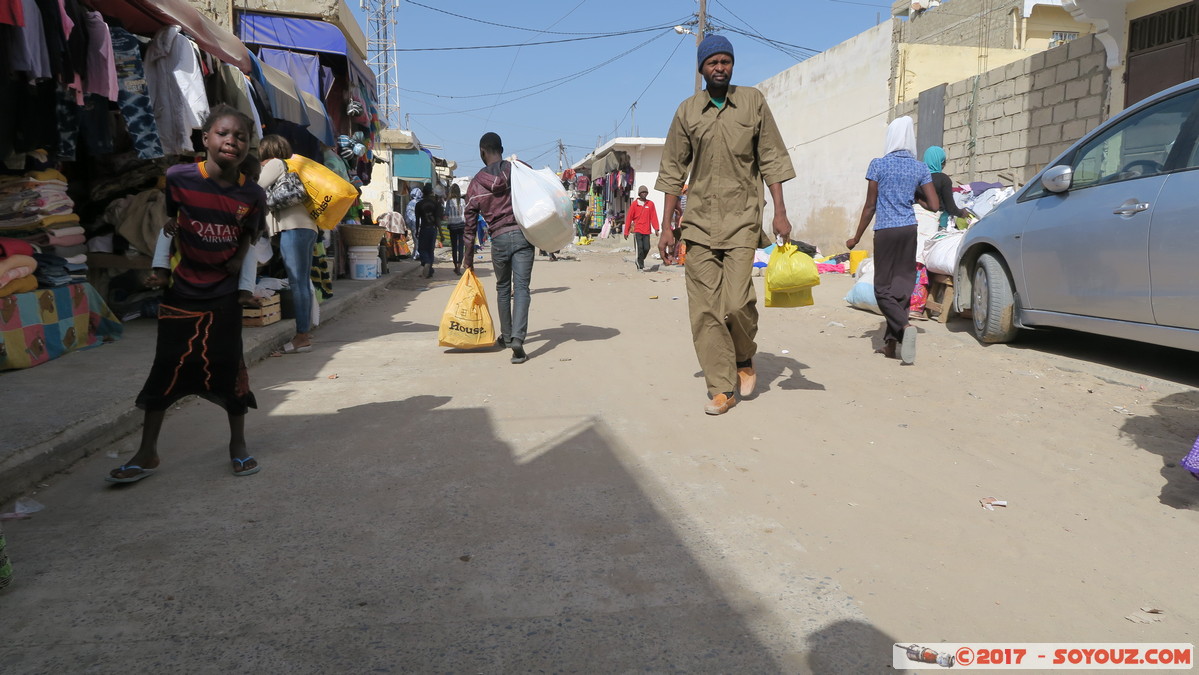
(971, 23)
(1013, 120)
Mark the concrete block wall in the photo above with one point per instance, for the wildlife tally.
(1009, 122)
(974, 23)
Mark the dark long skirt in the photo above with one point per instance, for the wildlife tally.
(199, 352)
(895, 276)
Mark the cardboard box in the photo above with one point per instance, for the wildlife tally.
(262, 316)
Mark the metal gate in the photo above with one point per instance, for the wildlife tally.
(1163, 50)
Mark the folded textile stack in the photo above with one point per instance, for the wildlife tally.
(16, 267)
(36, 208)
(53, 270)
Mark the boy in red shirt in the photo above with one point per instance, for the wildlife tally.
(643, 217)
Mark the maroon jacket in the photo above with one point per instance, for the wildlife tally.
(490, 196)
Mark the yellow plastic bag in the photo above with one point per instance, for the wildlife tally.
(800, 298)
(329, 195)
(466, 323)
(789, 269)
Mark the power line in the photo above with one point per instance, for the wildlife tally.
(760, 37)
(655, 79)
(504, 25)
(773, 41)
(532, 44)
(564, 80)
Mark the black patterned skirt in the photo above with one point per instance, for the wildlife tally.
(199, 352)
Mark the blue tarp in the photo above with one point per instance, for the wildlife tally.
(309, 35)
(412, 165)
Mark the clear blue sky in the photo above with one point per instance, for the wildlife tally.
(593, 106)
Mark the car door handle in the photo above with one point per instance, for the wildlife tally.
(1131, 207)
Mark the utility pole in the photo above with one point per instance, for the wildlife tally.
(561, 155)
(700, 29)
(634, 109)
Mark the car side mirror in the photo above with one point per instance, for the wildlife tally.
(1057, 178)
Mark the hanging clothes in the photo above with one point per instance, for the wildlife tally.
(100, 73)
(134, 94)
(176, 86)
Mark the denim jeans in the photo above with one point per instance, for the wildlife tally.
(512, 258)
(134, 95)
(296, 248)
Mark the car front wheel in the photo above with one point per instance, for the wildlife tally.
(993, 304)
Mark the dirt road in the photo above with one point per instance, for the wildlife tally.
(425, 510)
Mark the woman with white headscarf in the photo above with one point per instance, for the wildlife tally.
(894, 182)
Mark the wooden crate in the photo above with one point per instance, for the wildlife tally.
(270, 312)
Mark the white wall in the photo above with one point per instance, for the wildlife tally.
(832, 110)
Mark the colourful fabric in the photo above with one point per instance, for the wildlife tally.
(1191, 461)
(41, 325)
(898, 175)
(212, 220)
(21, 283)
(10, 247)
(920, 292)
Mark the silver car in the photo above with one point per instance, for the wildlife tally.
(1105, 240)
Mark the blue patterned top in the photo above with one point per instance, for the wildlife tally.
(899, 175)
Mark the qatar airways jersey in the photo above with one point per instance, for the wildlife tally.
(212, 219)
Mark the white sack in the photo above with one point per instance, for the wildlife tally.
(542, 207)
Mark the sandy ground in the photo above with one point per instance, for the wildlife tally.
(421, 509)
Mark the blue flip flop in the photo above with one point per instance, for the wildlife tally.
(141, 473)
(243, 471)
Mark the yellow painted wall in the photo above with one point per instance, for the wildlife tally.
(923, 67)
(1044, 20)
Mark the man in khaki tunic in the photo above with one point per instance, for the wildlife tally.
(726, 137)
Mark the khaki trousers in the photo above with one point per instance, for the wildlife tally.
(723, 308)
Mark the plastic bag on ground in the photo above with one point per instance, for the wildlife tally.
(542, 207)
(861, 295)
(466, 323)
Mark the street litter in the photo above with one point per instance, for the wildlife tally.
(332, 377)
(675, 298)
(838, 324)
(1145, 615)
(1122, 410)
(989, 503)
(786, 351)
(27, 505)
(653, 297)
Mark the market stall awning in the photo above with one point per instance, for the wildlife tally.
(318, 120)
(310, 35)
(285, 96)
(605, 165)
(412, 166)
(147, 16)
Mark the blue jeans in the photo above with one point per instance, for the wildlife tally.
(512, 259)
(296, 248)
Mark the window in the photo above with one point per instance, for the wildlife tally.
(1061, 37)
(1135, 147)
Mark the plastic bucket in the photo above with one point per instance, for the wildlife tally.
(364, 262)
(855, 259)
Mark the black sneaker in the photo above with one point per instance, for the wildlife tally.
(518, 353)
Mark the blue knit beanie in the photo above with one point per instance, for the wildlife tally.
(714, 44)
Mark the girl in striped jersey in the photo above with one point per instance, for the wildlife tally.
(218, 213)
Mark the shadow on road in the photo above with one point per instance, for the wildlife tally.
(448, 551)
(850, 647)
(551, 289)
(550, 338)
(1165, 363)
(771, 367)
(1169, 433)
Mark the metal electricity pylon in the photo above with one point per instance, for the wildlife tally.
(380, 46)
